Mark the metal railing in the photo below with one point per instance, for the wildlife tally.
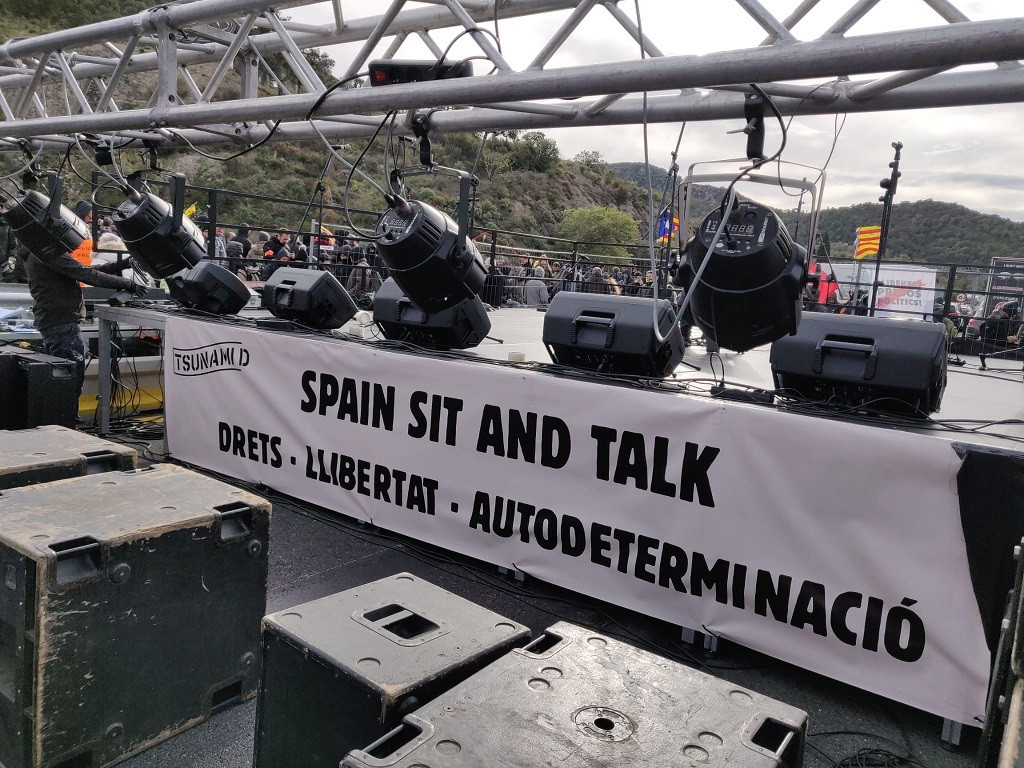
(966, 296)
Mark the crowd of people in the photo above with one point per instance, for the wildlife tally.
(256, 256)
(515, 278)
(519, 280)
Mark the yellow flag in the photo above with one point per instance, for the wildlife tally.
(190, 210)
(868, 240)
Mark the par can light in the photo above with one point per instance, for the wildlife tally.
(749, 291)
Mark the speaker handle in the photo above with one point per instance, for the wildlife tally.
(584, 318)
(870, 349)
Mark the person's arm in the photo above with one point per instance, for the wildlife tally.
(68, 267)
(111, 267)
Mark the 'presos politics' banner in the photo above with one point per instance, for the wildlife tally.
(754, 524)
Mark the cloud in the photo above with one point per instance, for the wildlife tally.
(959, 155)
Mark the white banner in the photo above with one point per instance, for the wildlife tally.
(754, 524)
(907, 290)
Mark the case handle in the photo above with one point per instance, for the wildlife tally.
(867, 347)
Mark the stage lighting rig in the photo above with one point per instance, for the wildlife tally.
(44, 226)
(157, 234)
(431, 257)
(169, 246)
(749, 293)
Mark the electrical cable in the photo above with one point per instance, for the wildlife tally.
(323, 96)
(463, 33)
(245, 151)
(345, 162)
(32, 161)
(348, 179)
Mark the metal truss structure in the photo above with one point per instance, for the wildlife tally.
(59, 87)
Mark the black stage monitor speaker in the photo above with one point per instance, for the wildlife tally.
(458, 327)
(315, 299)
(612, 334)
(210, 288)
(36, 389)
(880, 364)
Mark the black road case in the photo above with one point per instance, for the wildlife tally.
(36, 389)
(130, 609)
(45, 454)
(341, 671)
(577, 699)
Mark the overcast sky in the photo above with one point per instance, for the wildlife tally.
(969, 155)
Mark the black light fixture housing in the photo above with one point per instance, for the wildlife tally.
(461, 326)
(169, 246)
(392, 71)
(157, 235)
(429, 256)
(42, 224)
(749, 292)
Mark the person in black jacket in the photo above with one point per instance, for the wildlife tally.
(58, 303)
(238, 249)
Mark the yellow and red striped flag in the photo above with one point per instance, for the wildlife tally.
(868, 239)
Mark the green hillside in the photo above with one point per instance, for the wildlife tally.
(925, 230)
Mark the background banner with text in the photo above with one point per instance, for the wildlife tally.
(754, 524)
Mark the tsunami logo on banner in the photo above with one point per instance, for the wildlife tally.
(693, 511)
(209, 358)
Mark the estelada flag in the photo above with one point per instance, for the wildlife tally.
(665, 230)
(868, 241)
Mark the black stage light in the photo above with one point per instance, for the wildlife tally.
(312, 298)
(435, 265)
(43, 225)
(749, 292)
(158, 237)
(210, 288)
(461, 326)
(612, 334)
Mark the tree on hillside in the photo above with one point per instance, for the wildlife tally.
(590, 158)
(533, 151)
(599, 225)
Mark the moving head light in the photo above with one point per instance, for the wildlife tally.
(163, 243)
(43, 225)
(434, 264)
(749, 292)
(169, 246)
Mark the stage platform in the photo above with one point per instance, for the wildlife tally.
(316, 552)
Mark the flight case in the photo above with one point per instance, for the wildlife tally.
(130, 607)
(44, 454)
(340, 671)
(577, 699)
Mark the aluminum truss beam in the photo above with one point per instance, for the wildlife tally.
(49, 92)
